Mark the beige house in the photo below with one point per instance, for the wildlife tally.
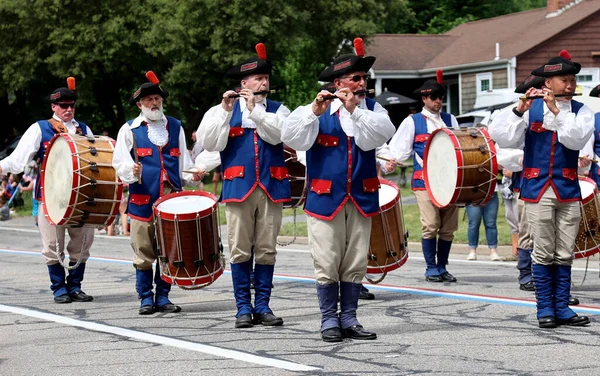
(490, 54)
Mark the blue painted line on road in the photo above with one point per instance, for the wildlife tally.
(381, 287)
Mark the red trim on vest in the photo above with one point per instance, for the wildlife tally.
(320, 186)
(569, 173)
(279, 173)
(327, 140)
(138, 199)
(175, 152)
(236, 131)
(422, 137)
(538, 127)
(144, 152)
(531, 173)
(371, 185)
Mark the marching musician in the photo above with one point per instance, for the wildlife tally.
(340, 136)
(553, 130)
(246, 129)
(66, 288)
(438, 225)
(592, 148)
(151, 155)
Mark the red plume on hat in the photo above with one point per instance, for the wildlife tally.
(565, 54)
(152, 77)
(439, 75)
(359, 47)
(261, 51)
(71, 83)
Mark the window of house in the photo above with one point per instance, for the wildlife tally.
(588, 75)
(484, 82)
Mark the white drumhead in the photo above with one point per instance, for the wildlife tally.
(387, 194)
(185, 204)
(58, 179)
(587, 188)
(442, 168)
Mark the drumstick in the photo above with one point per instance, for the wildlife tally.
(190, 171)
(136, 157)
(390, 160)
(591, 160)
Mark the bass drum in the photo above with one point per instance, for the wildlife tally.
(297, 177)
(587, 242)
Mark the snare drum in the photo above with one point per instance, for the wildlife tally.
(187, 233)
(587, 241)
(388, 247)
(78, 182)
(460, 167)
(297, 178)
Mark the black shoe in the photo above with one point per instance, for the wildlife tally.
(448, 277)
(268, 319)
(529, 286)
(332, 335)
(244, 321)
(575, 321)
(573, 301)
(434, 278)
(146, 310)
(358, 332)
(169, 308)
(62, 299)
(80, 296)
(547, 322)
(365, 294)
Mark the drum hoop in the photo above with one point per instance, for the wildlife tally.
(76, 179)
(394, 202)
(586, 200)
(388, 268)
(586, 253)
(193, 281)
(492, 154)
(185, 216)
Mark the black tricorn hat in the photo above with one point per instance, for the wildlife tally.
(531, 81)
(595, 92)
(330, 87)
(64, 93)
(254, 65)
(431, 87)
(560, 65)
(348, 63)
(148, 88)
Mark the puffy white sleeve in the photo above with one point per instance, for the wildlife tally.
(213, 131)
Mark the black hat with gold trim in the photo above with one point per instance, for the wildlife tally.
(432, 87)
(531, 81)
(148, 88)
(348, 63)
(64, 93)
(254, 65)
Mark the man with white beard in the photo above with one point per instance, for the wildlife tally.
(159, 142)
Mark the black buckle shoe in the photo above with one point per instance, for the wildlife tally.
(529, 286)
(332, 335)
(146, 310)
(169, 308)
(358, 332)
(434, 278)
(62, 299)
(365, 294)
(80, 296)
(448, 277)
(547, 322)
(573, 301)
(244, 321)
(575, 321)
(268, 319)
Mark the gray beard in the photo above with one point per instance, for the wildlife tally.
(152, 115)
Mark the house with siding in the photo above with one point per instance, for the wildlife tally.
(489, 54)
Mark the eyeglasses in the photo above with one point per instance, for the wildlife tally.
(436, 97)
(357, 77)
(64, 106)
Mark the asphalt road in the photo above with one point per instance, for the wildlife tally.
(481, 325)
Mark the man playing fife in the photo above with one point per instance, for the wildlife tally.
(340, 136)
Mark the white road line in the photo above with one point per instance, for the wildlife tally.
(167, 341)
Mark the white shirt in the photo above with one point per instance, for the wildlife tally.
(213, 131)
(370, 129)
(29, 145)
(508, 129)
(401, 144)
(123, 162)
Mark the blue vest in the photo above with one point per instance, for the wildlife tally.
(595, 167)
(547, 161)
(419, 144)
(242, 174)
(157, 162)
(338, 170)
(47, 133)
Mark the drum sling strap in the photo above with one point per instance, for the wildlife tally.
(59, 127)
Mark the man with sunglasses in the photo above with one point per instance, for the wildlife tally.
(340, 135)
(65, 288)
(438, 225)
